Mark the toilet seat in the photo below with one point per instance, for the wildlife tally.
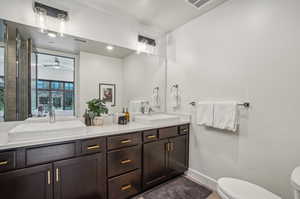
(230, 188)
(295, 178)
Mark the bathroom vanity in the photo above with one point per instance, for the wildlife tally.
(113, 166)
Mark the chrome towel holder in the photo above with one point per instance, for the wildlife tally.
(245, 104)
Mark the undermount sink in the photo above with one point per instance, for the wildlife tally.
(156, 118)
(46, 126)
(46, 119)
(41, 129)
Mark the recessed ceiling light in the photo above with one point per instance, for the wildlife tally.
(52, 34)
(109, 47)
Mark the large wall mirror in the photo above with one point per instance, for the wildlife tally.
(43, 71)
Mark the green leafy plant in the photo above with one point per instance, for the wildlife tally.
(97, 107)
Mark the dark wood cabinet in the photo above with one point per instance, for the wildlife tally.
(155, 157)
(105, 167)
(124, 186)
(165, 158)
(178, 155)
(80, 178)
(34, 183)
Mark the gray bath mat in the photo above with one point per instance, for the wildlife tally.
(179, 188)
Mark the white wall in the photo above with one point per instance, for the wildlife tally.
(95, 69)
(105, 26)
(141, 74)
(245, 50)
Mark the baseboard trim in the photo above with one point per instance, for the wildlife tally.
(202, 179)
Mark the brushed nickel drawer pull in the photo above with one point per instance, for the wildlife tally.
(125, 141)
(57, 174)
(171, 146)
(168, 146)
(126, 187)
(49, 177)
(185, 130)
(151, 136)
(126, 161)
(3, 163)
(94, 147)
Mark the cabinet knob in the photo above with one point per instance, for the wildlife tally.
(151, 136)
(126, 187)
(3, 163)
(94, 147)
(125, 141)
(126, 161)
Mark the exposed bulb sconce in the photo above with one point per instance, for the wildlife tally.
(145, 45)
(43, 11)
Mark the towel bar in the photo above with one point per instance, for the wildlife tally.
(245, 104)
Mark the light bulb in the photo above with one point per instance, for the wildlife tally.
(42, 19)
(62, 22)
(110, 48)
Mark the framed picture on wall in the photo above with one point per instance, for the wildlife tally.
(107, 93)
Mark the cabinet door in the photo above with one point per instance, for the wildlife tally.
(34, 183)
(79, 178)
(154, 163)
(178, 155)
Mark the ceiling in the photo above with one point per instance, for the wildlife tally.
(69, 44)
(163, 14)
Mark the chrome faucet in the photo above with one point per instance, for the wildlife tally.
(146, 108)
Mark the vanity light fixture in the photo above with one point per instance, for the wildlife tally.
(145, 45)
(110, 48)
(43, 12)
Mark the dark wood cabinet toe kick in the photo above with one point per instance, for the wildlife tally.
(106, 167)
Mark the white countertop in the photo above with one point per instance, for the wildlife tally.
(69, 135)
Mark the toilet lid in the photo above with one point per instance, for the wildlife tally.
(295, 178)
(239, 189)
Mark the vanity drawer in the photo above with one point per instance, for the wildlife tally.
(150, 136)
(93, 146)
(124, 186)
(49, 153)
(184, 129)
(168, 132)
(124, 160)
(116, 142)
(7, 161)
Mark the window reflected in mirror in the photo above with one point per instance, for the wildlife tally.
(55, 84)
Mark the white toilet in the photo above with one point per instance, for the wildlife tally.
(230, 188)
(295, 180)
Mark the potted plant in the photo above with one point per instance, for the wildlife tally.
(97, 107)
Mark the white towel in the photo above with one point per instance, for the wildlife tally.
(226, 116)
(205, 113)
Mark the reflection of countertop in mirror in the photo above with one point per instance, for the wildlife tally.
(68, 135)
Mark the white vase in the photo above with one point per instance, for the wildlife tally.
(98, 121)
